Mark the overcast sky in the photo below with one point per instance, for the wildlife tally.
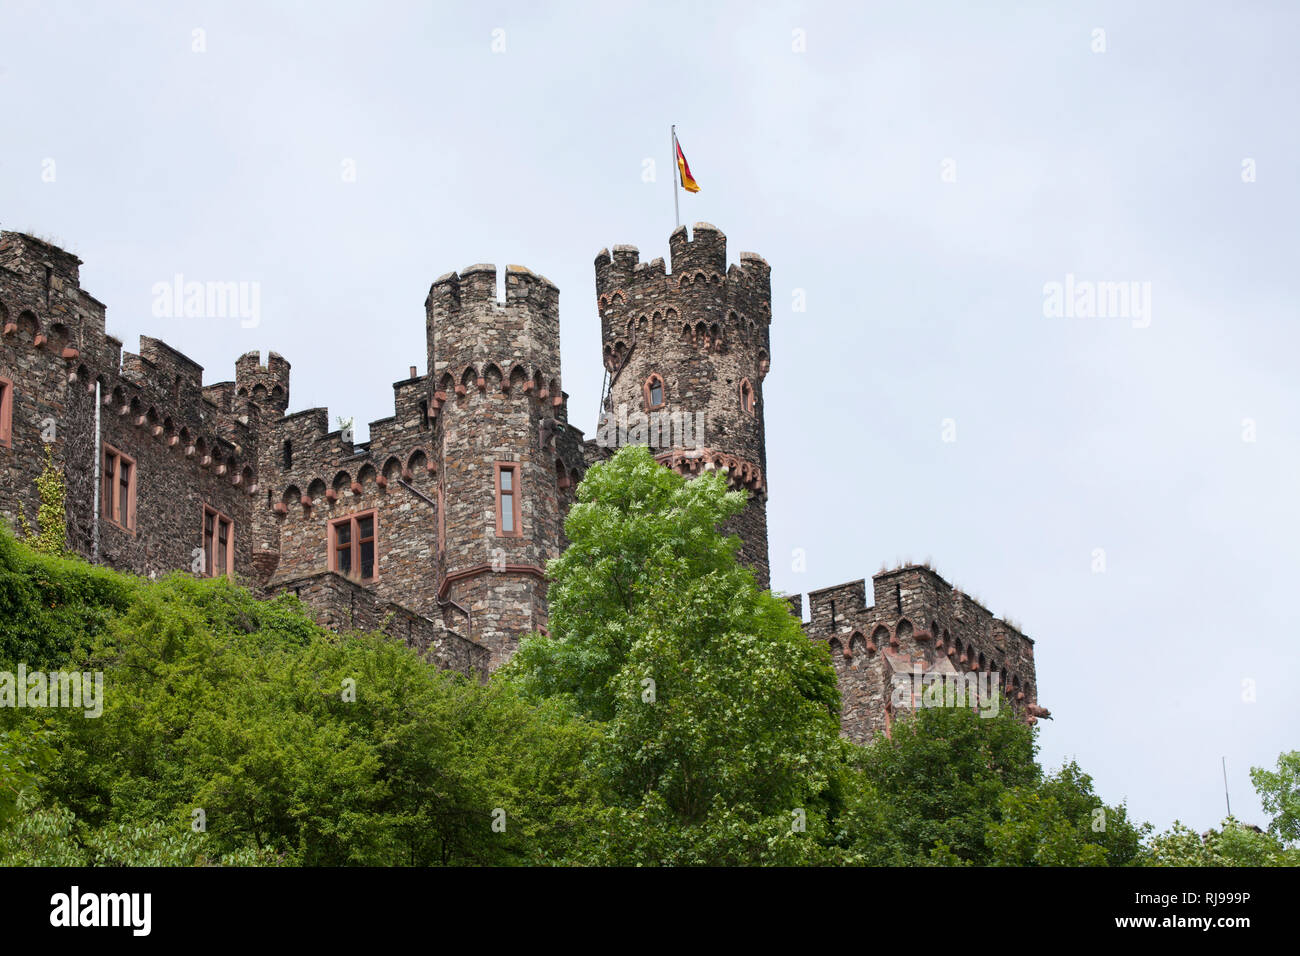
(921, 171)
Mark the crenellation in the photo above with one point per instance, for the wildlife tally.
(700, 343)
(438, 528)
(916, 616)
(835, 608)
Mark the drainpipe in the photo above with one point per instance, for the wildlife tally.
(94, 490)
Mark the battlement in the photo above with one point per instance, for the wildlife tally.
(706, 250)
(478, 343)
(623, 277)
(19, 247)
(896, 592)
(158, 390)
(475, 288)
(702, 302)
(266, 386)
(482, 431)
(308, 458)
(918, 622)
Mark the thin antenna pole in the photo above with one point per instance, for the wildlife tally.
(677, 215)
(1225, 786)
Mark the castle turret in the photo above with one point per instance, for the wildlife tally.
(687, 353)
(266, 386)
(500, 440)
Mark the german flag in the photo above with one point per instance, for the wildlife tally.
(688, 181)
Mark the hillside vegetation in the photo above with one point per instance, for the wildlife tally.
(674, 715)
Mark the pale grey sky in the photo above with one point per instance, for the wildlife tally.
(924, 296)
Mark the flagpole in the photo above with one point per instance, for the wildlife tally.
(677, 214)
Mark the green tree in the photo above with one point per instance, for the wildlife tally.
(1062, 822)
(1233, 844)
(50, 606)
(1279, 794)
(25, 750)
(941, 776)
(718, 718)
(218, 702)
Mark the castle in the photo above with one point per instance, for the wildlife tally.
(439, 527)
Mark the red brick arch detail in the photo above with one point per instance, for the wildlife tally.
(476, 570)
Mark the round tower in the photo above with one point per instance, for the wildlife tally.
(497, 407)
(686, 353)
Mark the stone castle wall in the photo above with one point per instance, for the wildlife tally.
(344, 605)
(915, 619)
(189, 452)
(497, 404)
(450, 579)
(702, 329)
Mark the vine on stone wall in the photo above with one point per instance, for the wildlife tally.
(51, 516)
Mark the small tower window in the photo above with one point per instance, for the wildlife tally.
(654, 392)
(746, 397)
(507, 493)
(288, 455)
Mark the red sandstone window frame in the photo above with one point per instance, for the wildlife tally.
(119, 513)
(210, 564)
(6, 413)
(516, 531)
(353, 545)
(746, 397)
(646, 387)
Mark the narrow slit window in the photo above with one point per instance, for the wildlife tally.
(6, 412)
(209, 520)
(507, 499)
(366, 546)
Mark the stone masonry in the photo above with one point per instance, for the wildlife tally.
(437, 530)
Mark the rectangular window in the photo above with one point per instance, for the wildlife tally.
(6, 412)
(218, 538)
(353, 549)
(119, 489)
(507, 481)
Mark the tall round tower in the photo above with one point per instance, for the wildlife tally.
(503, 477)
(686, 353)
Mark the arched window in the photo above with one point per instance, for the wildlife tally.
(746, 397)
(654, 392)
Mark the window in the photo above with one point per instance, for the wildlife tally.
(352, 546)
(6, 412)
(218, 537)
(119, 488)
(288, 455)
(654, 392)
(507, 479)
(746, 397)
